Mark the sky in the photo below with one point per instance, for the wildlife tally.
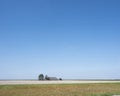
(70, 39)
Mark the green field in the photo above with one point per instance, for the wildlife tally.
(107, 89)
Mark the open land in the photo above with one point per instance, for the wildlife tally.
(59, 88)
(11, 82)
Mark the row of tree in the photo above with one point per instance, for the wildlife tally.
(42, 77)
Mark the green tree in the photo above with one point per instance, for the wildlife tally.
(41, 77)
(46, 77)
(60, 78)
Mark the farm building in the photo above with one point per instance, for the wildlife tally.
(52, 78)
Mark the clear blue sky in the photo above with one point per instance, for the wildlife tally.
(72, 39)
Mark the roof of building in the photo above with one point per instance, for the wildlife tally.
(53, 78)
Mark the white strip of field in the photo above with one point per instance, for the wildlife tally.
(5, 82)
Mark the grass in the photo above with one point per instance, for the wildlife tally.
(107, 89)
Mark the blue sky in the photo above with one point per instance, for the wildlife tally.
(72, 39)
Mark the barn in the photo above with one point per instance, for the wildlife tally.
(52, 78)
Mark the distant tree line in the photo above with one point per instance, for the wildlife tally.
(42, 77)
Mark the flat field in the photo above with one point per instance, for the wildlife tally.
(88, 89)
(15, 82)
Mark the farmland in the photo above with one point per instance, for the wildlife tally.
(86, 89)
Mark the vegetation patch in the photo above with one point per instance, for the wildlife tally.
(107, 89)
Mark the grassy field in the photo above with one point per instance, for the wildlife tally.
(107, 89)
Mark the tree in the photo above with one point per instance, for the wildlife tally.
(41, 77)
(46, 77)
(60, 78)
